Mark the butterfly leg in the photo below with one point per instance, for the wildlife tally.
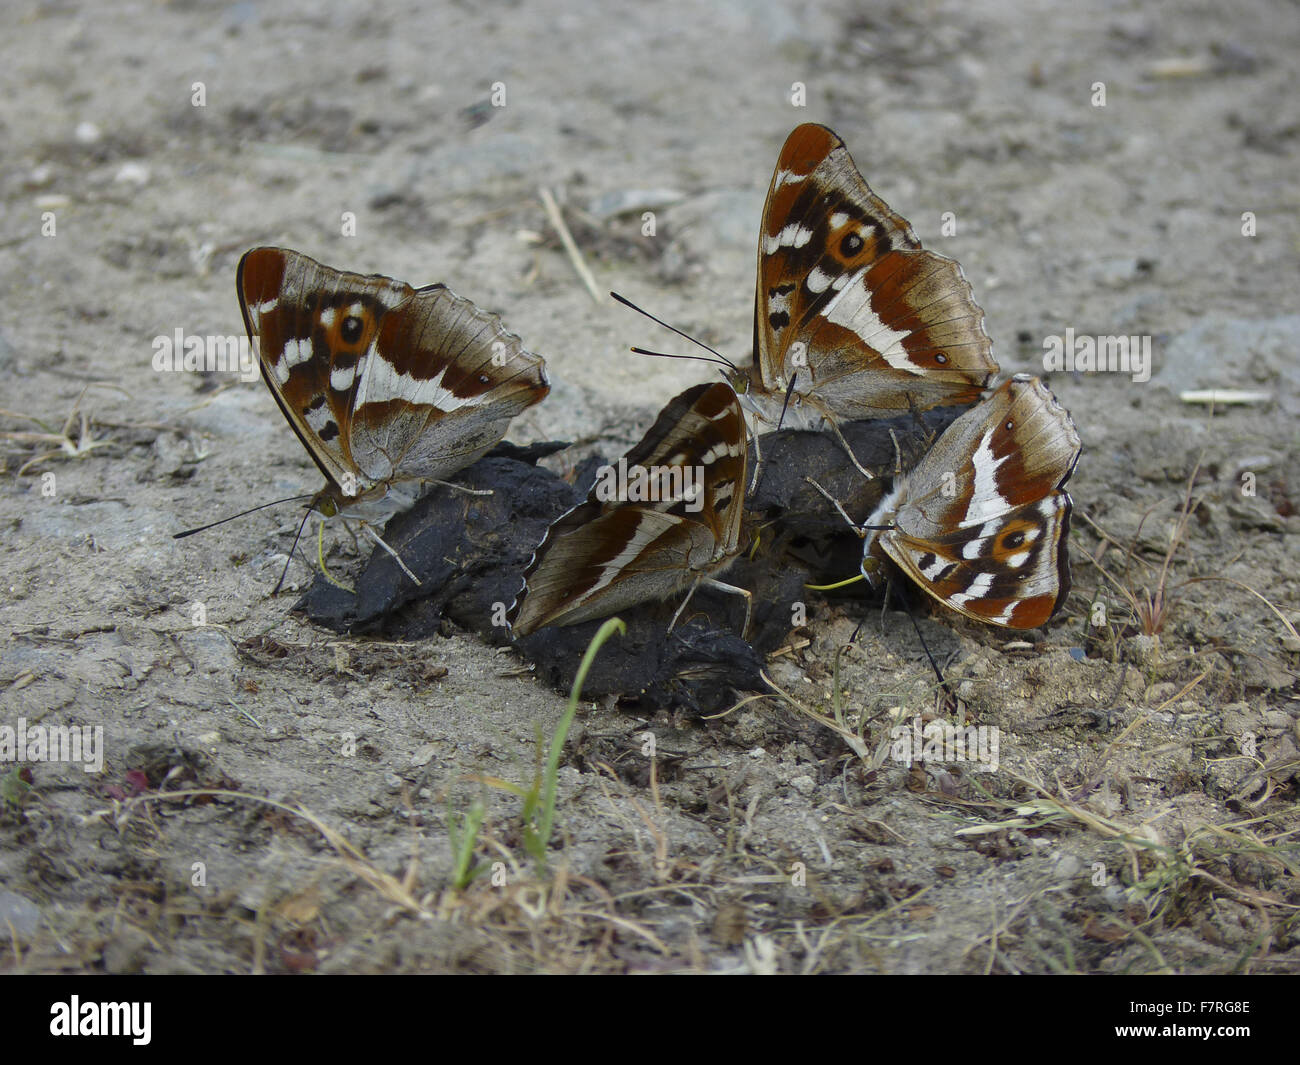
(673, 624)
(758, 463)
(356, 544)
(884, 601)
(898, 456)
(849, 451)
(460, 488)
(722, 587)
(396, 557)
(928, 433)
(732, 589)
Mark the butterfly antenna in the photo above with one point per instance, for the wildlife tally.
(250, 510)
(672, 355)
(685, 336)
(296, 536)
(789, 391)
(862, 529)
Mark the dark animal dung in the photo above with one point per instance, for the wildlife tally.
(470, 552)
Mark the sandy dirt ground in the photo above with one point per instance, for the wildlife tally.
(349, 802)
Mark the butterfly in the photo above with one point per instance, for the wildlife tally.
(853, 318)
(981, 522)
(650, 534)
(382, 382)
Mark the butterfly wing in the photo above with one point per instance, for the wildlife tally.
(382, 382)
(439, 388)
(613, 562)
(982, 522)
(608, 554)
(312, 325)
(849, 301)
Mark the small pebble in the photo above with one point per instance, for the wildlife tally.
(132, 174)
(20, 913)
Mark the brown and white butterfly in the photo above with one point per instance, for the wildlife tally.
(606, 555)
(981, 522)
(382, 382)
(850, 307)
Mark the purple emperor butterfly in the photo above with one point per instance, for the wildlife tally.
(382, 382)
(674, 525)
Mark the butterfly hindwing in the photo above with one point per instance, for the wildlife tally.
(441, 388)
(982, 522)
(608, 554)
(615, 561)
(1020, 571)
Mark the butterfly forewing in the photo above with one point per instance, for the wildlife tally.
(605, 555)
(849, 305)
(291, 306)
(982, 522)
(382, 382)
